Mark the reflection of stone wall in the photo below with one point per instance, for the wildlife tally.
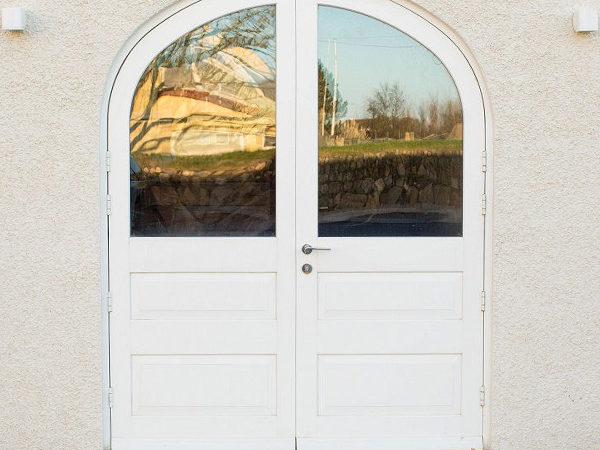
(373, 181)
(242, 200)
(220, 202)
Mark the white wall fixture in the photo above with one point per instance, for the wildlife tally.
(585, 19)
(13, 19)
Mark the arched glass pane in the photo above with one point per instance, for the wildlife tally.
(390, 133)
(202, 132)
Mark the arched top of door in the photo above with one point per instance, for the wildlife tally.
(185, 8)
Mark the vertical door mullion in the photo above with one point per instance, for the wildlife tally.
(306, 213)
(285, 216)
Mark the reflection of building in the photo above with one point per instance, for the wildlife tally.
(457, 132)
(392, 128)
(226, 103)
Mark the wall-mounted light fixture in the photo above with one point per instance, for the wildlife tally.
(13, 19)
(585, 19)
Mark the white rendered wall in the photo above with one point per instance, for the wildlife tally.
(544, 85)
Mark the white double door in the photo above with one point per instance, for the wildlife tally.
(226, 343)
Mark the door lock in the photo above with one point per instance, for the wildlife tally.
(307, 269)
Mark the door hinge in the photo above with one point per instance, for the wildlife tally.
(483, 204)
(483, 300)
(484, 161)
(109, 302)
(482, 396)
(108, 161)
(110, 398)
(108, 204)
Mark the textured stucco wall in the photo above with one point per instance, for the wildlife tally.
(544, 84)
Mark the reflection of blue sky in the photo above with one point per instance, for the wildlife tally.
(371, 52)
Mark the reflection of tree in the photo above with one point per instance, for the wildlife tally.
(391, 116)
(241, 40)
(386, 106)
(439, 118)
(326, 97)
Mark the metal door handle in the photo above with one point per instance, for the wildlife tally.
(307, 249)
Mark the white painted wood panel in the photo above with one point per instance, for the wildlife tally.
(407, 443)
(389, 385)
(390, 295)
(207, 385)
(423, 254)
(204, 337)
(175, 428)
(214, 255)
(203, 444)
(203, 295)
(389, 336)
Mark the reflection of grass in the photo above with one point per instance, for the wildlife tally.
(222, 161)
(234, 160)
(440, 146)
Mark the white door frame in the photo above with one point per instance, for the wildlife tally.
(180, 6)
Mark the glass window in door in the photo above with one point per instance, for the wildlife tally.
(390, 133)
(203, 135)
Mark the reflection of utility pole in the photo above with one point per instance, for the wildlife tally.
(325, 75)
(335, 86)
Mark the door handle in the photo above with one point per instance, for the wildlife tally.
(307, 249)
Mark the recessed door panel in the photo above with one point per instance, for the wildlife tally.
(394, 295)
(389, 385)
(204, 385)
(185, 296)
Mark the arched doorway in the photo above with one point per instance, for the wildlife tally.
(241, 133)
